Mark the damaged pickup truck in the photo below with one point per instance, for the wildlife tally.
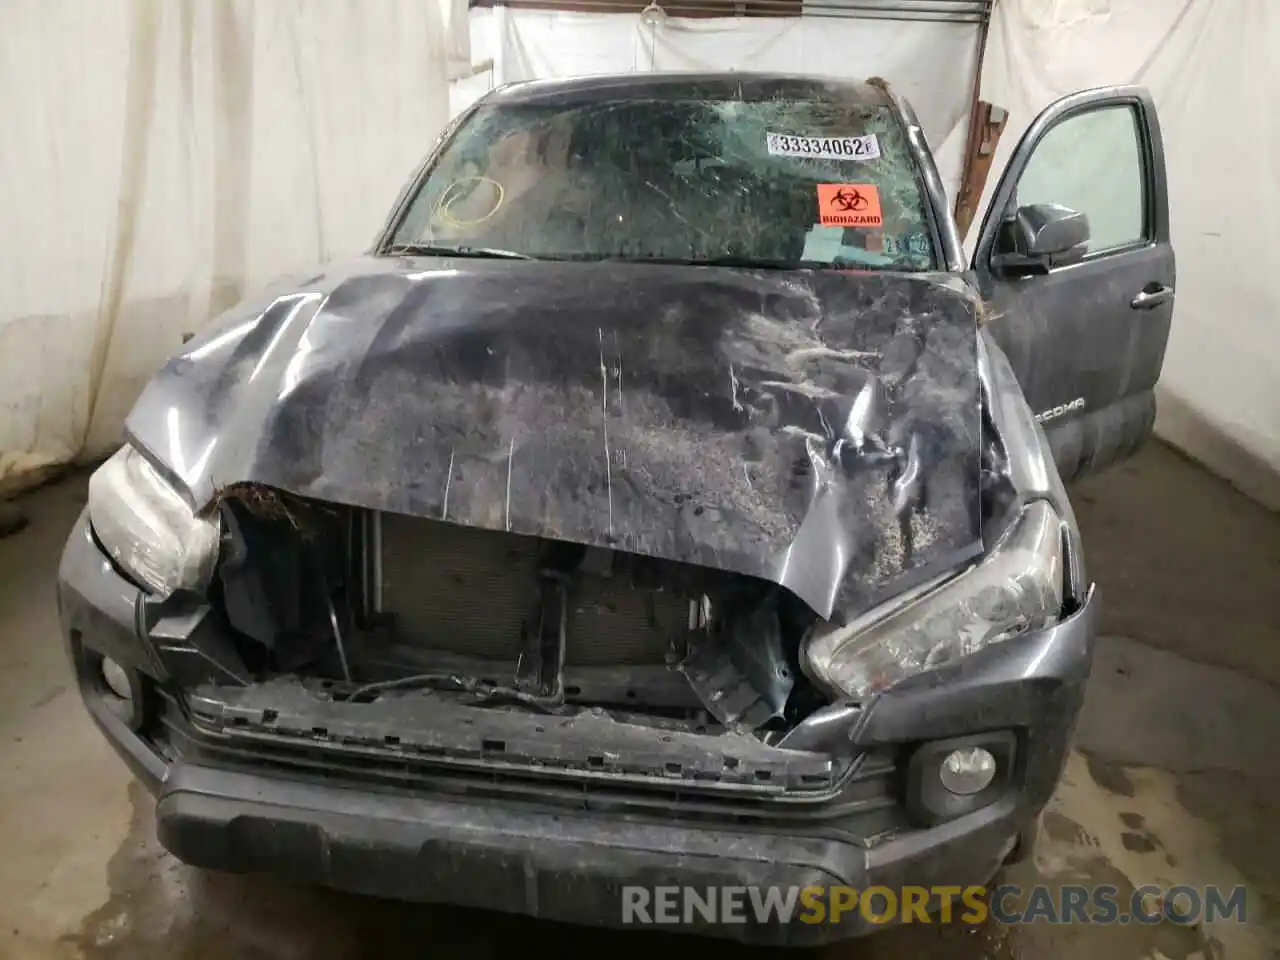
(661, 500)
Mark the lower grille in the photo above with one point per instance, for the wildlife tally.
(868, 790)
(471, 592)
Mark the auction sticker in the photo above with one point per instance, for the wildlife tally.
(824, 148)
(849, 205)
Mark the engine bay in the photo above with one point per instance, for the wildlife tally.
(361, 608)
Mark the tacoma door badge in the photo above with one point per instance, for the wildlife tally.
(1053, 413)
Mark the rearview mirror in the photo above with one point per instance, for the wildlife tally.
(1041, 236)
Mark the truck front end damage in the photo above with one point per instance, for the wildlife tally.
(439, 777)
(703, 589)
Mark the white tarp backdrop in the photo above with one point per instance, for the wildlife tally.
(161, 156)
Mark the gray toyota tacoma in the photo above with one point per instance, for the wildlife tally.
(663, 499)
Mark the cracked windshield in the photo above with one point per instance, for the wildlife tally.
(773, 183)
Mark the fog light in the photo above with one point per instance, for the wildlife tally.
(954, 777)
(116, 679)
(966, 772)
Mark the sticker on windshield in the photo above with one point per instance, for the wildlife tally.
(824, 148)
(849, 205)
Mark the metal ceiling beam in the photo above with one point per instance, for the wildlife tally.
(945, 11)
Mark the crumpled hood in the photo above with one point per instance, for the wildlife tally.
(817, 429)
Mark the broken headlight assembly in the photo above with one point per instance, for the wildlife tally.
(148, 529)
(1016, 588)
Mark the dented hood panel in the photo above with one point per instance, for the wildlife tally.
(817, 429)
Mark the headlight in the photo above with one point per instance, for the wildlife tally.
(1017, 587)
(148, 529)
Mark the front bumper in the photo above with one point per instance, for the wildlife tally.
(564, 863)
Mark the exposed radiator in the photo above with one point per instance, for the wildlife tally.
(466, 591)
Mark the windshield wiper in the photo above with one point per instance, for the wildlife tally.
(435, 250)
(731, 260)
(756, 263)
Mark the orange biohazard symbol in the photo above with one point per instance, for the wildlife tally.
(849, 205)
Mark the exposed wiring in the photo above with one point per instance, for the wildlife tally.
(449, 196)
(416, 680)
(458, 682)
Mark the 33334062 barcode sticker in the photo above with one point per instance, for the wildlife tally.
(823, 148)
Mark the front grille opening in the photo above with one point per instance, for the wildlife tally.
(371, 607)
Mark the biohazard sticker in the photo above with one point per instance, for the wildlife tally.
(824, 148)
(849, 205)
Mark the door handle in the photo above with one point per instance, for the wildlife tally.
(1152, 295)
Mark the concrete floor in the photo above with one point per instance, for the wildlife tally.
(1176, 777)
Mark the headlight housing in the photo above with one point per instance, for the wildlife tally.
(1016, 588)
(148, 529)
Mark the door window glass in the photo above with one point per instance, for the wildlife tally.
(1092, 163)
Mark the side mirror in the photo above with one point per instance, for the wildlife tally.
(1041, 236)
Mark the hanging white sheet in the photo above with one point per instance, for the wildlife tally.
(162, 156)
